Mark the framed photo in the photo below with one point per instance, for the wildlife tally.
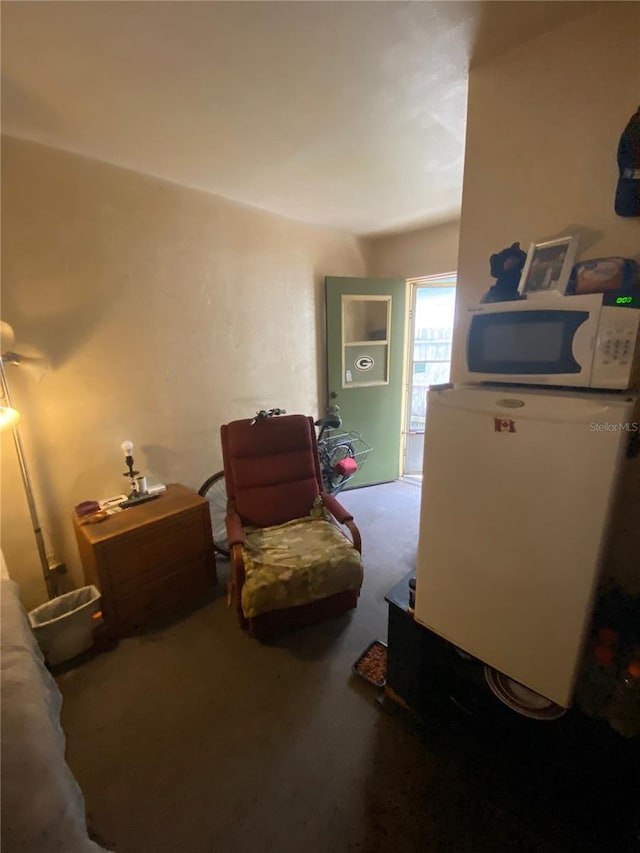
(548, 266)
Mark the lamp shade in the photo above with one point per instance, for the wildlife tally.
(8, 417)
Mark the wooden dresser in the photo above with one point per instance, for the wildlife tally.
(150, 560)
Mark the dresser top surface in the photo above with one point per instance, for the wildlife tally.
(176, 499)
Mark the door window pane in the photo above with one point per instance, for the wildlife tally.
(365, 340)
(365, 318)
(424, 374)
(433, 333)
(433, 324)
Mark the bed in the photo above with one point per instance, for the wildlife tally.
(42, 805)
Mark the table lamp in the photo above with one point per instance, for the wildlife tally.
(139, 492)
(127, 449)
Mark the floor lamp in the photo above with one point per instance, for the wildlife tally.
(9, 420)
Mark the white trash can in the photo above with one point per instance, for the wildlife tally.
(64, 626)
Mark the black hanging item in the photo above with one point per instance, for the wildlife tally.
(627, 201)
(506, 267)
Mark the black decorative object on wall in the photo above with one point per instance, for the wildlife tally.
(506, 267)
(627, 201)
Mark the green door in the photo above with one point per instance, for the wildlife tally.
(365, 356)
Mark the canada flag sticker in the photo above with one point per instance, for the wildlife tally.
(504, 425)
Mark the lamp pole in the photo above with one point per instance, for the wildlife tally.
(35, 522)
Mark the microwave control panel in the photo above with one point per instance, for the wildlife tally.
(616, 353)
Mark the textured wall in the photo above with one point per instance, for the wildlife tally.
(165, 312)
(425, 251)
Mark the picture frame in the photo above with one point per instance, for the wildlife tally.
(548, 266)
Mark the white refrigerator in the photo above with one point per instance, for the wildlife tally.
(517, 492)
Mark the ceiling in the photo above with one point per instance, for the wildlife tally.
(349, 115)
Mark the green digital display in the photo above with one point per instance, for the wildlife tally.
(624, 300)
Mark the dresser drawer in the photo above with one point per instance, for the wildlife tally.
(139, 603)
(156, 548)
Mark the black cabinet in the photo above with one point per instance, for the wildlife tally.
(410, 669)
(575, 770)
(423, 669)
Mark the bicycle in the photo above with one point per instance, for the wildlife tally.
(341, 455)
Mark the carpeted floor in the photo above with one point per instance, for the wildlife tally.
(194, 738)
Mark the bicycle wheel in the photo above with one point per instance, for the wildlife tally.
(336, 480)
(215, 491)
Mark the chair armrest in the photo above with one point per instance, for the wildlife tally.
(335, 508)
(235, 533)
(236, 582)
(343, 517)
(236, 539)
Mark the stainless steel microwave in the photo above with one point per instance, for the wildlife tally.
(588, 341)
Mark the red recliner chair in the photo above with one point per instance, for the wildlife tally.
(291, 562)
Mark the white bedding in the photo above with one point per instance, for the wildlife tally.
(42, 805)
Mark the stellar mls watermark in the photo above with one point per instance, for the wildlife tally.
(615, 426)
